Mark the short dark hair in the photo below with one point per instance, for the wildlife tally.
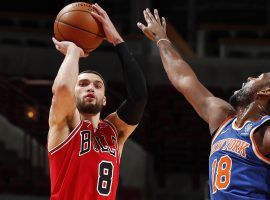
(95, 72)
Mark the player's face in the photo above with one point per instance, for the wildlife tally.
(246, 94)
(90, 93)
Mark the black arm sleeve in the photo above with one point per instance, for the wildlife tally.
(131, 110)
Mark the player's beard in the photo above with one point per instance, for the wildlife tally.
(242, 98)
(89, 108)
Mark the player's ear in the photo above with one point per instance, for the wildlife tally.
(104, 101)
(265, 92)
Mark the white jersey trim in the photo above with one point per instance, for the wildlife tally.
(112, 127)
(238, 128)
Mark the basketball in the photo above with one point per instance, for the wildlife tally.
(76, 24)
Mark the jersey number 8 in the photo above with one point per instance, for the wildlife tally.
(105, 175)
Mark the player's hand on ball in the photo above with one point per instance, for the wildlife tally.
(65, 46)
(156, 28)
(110, 31)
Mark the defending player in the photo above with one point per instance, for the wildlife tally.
(84, 151)
(239, 164)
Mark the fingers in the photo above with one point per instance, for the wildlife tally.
(141, 26)
(85, 55)
(57, 44)
(146, 17)
(151, 16)
(148, 34)
(97, 16)
(146, 31)
(55, 41)
(164, 23)
(57, 47)
(99, 9)
(157, 16)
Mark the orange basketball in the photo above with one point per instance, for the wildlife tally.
(76, 24)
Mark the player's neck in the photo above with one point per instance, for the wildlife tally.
(93, 118)
(253, 112)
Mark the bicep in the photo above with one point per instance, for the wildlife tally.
(266, 141)
(63, 118)
(63, 107)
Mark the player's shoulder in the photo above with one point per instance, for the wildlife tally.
(219, 111)
(220, 120)
(265, 120)
(261, 124)
(225, 123)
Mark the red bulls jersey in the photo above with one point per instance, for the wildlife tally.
(85, 166)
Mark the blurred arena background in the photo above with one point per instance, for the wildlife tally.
(167, 157)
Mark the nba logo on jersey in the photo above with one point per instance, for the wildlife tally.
(248, 127)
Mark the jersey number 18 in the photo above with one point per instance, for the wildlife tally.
(221, 173)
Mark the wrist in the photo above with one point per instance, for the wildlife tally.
(73, 50)
(117, 41)
(161, 36)
(163, 41)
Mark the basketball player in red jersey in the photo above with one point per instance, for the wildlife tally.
(239, 163)
(84, 151)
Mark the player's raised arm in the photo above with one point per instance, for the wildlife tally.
(130, 111)
(182, 76)
(63, 102)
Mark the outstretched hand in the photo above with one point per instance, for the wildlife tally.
(65, 46)
(110, 31)
(156, 27)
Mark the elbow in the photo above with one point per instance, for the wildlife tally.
(143, 94)
(140, 100)
(141, 97)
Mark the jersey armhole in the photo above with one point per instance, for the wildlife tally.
(254, 145)
(213, 133)
(116, 134)
(65, 141)
(112, 127)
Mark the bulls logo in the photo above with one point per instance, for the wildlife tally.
(85, 142)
